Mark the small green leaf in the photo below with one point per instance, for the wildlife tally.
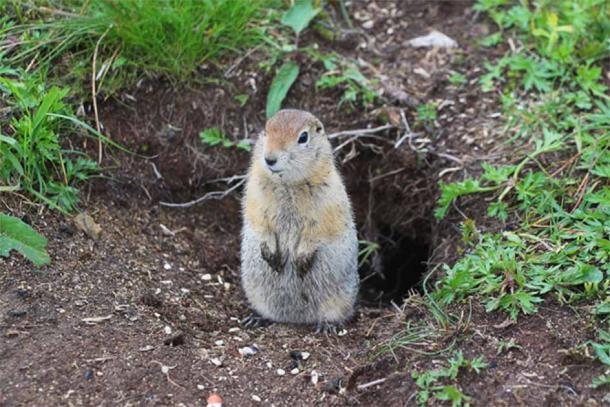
(17, 235)
(602, 353)
(242, 99)
(211, 136)
(242, 145)
(9, 140)
(300, 15)
(284, 78)
(491, 40)
(602, 309)
(592, 274)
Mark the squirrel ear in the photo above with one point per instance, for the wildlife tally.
(319, 127)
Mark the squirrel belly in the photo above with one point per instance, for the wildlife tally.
(326, 293)
(299, 252)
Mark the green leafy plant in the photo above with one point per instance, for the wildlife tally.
(440, 384)
(426, 115)
(298, 17)
(450, 192)
(32, 158)
(457, 79)
(555, 187)
(602, 352)
(19, 236)
(347, 77)
(213, 137)
(504, 346)
(491, 40)
(367, 249)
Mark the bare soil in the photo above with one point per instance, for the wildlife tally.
(148, 312)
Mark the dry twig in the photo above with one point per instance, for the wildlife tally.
(207, 196)
(360, 132)
(94, 94)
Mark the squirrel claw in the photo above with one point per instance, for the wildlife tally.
(255, 321)
(273, 259)
(327, 328)
(304, 264)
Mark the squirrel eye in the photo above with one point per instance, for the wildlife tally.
(303, 137)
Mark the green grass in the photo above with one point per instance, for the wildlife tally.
(170, 38)
(58, 40)
(555, 193)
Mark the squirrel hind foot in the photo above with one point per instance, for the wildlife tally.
(255, 321)
(328, 328)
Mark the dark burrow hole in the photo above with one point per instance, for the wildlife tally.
(396, 269)
(393, 195)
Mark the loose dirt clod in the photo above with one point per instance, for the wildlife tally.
(176, 340)
(85, 223)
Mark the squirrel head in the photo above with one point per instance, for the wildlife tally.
(294, 148)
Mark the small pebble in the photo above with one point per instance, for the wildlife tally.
(167, 266)
(234, 329)
(269, 365)
(206, 277)
(305, 355)
(216, 361)
(315, 377)
(219, 342)
(281, 372)
(200, 387)
(167, 330)
(342, 332)
(256, 398)
(247, 351)
(295, 371)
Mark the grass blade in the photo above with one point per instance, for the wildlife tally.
(284, 78)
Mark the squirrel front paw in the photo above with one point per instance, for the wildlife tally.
(304, 263)
(272, 258)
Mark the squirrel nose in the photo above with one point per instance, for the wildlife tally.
(270, 161)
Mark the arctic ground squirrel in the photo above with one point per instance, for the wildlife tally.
(299, 252)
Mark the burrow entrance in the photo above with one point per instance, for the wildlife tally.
(393, 196)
